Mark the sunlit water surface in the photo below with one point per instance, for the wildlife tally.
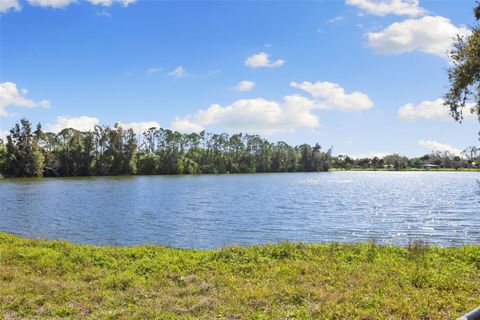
(210, 211)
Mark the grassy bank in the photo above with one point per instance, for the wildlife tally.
(50, 279)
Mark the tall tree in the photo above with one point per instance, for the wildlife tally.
(3, 156)
(117, 151)
(464, 76)
(24, 158)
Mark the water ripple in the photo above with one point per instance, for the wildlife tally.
(213, 211)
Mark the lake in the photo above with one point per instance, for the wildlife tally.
(209, 211)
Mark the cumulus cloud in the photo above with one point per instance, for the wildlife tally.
(139, 127)
(427, 109)
(82, 123)
(178, 72)
(10, 95)
(189, 123)
(442, 147)
(430, 34)
(6, 5)
(261, 60)
(260, 115)
(86, 123)
(383, 7)
(244, 85)
(253, 115)
(332, 96)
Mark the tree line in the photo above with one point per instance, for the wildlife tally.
(109, 151)
(106, 151)
(470, 158)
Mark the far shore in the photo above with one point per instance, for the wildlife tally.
(410, 169)
(247, 173)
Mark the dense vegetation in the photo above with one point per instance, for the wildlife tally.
(116, 151)
(470, 159)
(464, 75)
(51, 279)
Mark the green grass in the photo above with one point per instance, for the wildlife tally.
(52, 280)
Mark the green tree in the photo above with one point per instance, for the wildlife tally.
(464, 76)
(305, 161)
(24, 158)
(88, 154)
(50, 145)
(3, 156)
(284, 158)
(101, 160)
(118, 151)
(396, 161)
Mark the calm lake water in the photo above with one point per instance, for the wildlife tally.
(216, 210)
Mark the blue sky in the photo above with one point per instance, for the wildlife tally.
(363, 76)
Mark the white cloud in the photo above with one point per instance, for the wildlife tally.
(108, 3)
(125, 3)
(267, 116)
(187, 124)
(442, 147)
(153, 70)
(429, 34)
(427, 110)
(244, 85)
(332, 96)
(261, 60)
(82, 123)
(139, 127)
(51, 3)
(253, 116)
(6, 5)
(383, 7)
(105, 3)
(336, 19)
(178, 72)
(65, 3)
(10, 95)
(86, 123)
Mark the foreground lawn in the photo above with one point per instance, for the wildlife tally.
(51, 279)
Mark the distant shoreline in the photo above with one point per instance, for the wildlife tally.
(411, 169)
(250, 173)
